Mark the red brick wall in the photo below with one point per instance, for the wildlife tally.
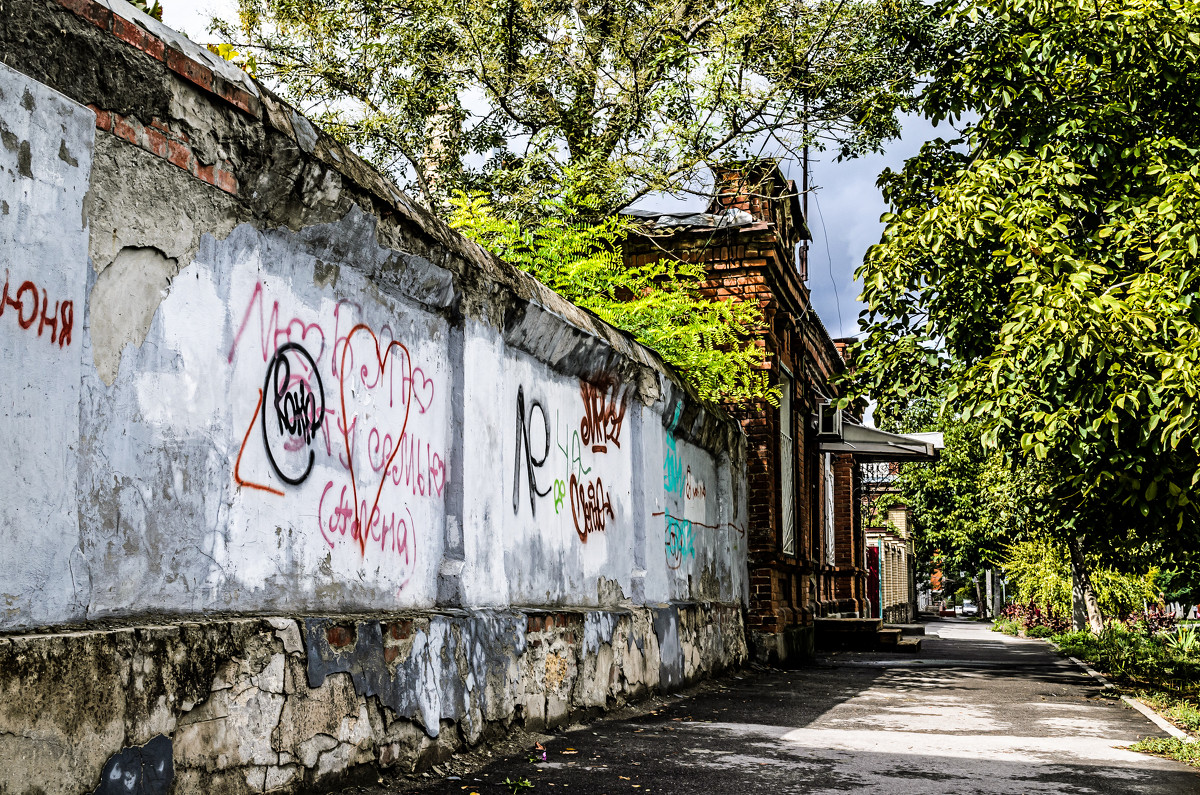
(753, 264)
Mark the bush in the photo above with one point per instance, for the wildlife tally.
(1135, 658)
(1152, 621)
(1040, 632)
(1077, 644)
(1030, 616)
(1005, 625)
(1184, 642)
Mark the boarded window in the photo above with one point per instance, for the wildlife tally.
(829, 547)
(787, 467)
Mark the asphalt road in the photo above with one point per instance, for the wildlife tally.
(975, 712)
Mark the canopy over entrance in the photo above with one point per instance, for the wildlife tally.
(872, 444)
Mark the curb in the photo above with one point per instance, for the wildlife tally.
(1153, 716)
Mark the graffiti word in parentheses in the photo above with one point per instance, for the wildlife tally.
(397, 536)
(294, 394)
(25, 303)
(589, 503)
(378, 358)
(693, 487)
(603, 417)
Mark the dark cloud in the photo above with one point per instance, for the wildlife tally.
(850, 204)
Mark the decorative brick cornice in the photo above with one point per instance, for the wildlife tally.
(157, 137)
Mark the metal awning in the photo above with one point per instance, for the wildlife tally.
(872, 444)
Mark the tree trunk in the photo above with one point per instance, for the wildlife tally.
(1082, 585)
(980, 604)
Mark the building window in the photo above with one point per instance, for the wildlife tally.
(787, 466)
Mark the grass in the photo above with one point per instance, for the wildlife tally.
(1171, 748)
(1152, 670)
(1183, 712)
(1006, 625)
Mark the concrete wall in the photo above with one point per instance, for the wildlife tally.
(244, 375)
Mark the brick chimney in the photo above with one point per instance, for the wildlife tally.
(761, 189)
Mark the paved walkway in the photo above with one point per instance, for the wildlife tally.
(975, 712)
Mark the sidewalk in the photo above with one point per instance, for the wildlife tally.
(975, 712)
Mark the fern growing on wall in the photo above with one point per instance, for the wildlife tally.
(714, 344)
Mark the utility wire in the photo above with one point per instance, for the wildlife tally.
(829, 257)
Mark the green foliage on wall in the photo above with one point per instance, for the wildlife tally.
(712, 343)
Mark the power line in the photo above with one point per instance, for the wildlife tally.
(828, 256)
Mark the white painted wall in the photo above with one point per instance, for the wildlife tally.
(45, 160)
(215, 435)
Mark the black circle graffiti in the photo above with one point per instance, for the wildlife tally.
(299, 410)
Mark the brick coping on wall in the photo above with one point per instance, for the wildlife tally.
(157, 137)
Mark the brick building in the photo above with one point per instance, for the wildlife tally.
(806, 545)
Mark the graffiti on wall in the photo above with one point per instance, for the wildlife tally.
(31, 309)
(345, 399)
(526, 459)
(680, 538)
(567, 475)
(147, 769)
(603, 416)
(686, 495)
(296, 398)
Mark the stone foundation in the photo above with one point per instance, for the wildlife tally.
(255, 704)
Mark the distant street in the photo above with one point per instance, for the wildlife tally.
(975, 712)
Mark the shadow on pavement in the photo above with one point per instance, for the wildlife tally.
(972, 714)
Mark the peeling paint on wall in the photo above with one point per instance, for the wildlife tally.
(257, 712)
(123, 302)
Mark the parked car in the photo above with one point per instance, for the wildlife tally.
(968, 608)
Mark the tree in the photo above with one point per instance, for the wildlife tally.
(614, 98)
(1044, 261)
(1181, 585)
(1040, 574)
(712, 342)
(972, 503)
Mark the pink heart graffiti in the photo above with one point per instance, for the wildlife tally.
(361, 527)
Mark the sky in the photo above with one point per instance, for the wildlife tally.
(843, 216)
(843, 212)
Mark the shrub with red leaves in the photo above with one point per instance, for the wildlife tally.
(1151, 622)
(1032, 615)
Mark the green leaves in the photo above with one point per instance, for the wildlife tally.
(1049, 255)
(613, 98)
(712, 342)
